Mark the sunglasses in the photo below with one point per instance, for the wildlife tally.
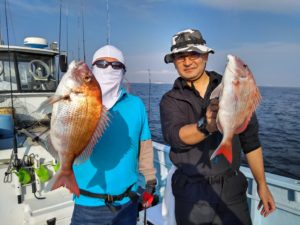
(180, 57)
(115, 65)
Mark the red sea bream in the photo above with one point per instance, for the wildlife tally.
(77, 122)
(238, 99)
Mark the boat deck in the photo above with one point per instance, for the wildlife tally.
(58, 204)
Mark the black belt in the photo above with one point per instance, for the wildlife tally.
(109, 199)
(218, 179)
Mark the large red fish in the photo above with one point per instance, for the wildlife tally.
(238, 99)
(78, 120)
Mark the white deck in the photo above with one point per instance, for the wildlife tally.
(31, 211)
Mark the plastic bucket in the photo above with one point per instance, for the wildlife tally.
(6, 122)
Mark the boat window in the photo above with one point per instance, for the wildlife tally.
(36, 72)
(7, 72)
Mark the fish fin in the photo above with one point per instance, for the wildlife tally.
(50, 148)
(46, 106)
(244, 125)
(56, 98)
(61, 179)
(102, 124)
(216, 93)
(224, 149)
(256, 98)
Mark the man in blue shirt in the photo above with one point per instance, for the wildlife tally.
(108, 179)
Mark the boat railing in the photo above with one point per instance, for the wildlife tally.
(286, 191)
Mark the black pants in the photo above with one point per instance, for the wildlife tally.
(222, 203)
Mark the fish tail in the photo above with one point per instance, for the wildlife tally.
(224, 149)
(65, 180)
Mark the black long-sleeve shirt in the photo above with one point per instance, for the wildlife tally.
(183, 105)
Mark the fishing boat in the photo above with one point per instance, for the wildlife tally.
(28, 75)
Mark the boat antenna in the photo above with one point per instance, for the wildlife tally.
(149, 94)
(83, 36)
(108, 23)
(59, 39)
(16, 163)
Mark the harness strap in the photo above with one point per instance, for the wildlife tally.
(110, 199)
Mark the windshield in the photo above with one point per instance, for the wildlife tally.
(31, 72)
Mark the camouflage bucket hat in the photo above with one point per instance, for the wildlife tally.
(189, 40)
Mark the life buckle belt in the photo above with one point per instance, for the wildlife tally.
(110, 199)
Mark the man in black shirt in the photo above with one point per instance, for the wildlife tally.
(205, 191)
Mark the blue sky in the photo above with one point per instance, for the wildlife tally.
(264, 33)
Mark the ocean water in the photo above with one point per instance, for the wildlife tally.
(279, 121)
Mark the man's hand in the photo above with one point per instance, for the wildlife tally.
(266, 200)
(148, 195)
(211, 115)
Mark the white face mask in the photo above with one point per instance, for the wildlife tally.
(110, 81)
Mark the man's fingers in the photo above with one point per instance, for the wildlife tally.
(271, 208)
(213, 105)
(211, 115)
(213, 108)
(266, 209)
(259, 204)
(214, 101)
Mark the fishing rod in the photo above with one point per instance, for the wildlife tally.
(78, 44)
(83, 35)
(67, 24)
(1, 41)
(59, 39)
(107, 22)
(15, 162)
(149, 95)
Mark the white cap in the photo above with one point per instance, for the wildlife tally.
(108, 51)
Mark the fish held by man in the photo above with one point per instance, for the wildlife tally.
(77, 122)
(238, 98)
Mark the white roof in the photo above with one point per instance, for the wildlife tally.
(27, 49)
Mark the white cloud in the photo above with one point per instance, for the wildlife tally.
(275, 6)
(36, 6)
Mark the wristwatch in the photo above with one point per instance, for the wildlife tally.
(201, 125)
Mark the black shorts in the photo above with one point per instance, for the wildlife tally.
(223, 203)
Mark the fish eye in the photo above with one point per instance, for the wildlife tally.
(243, 75)
(87, 78)
(245, 66)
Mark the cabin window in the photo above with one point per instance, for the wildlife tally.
(36, 72)
(7, 72)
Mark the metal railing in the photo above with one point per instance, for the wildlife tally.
(286, 191)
